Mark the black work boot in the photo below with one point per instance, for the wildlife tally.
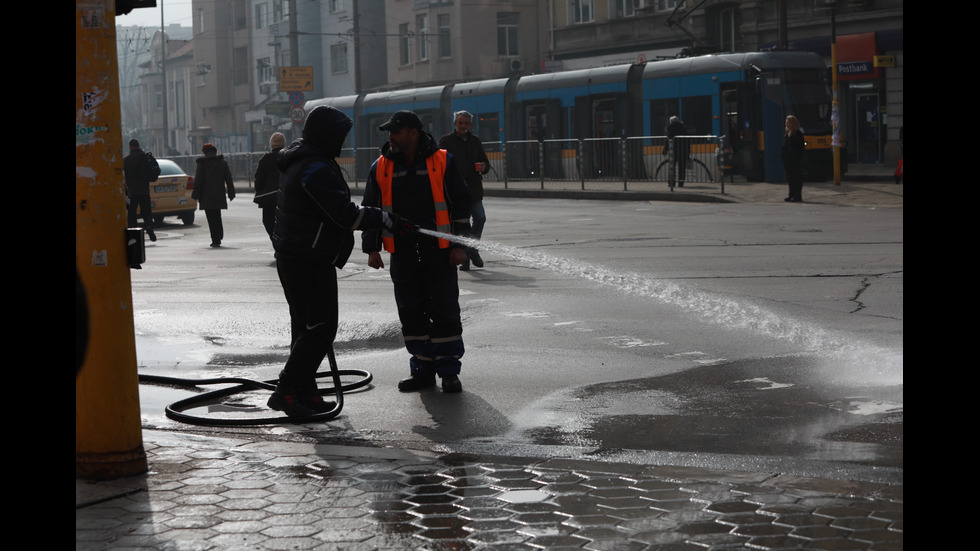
(451, 384)
(299, 403)
(417, 382)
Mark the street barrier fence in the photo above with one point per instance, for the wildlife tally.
(586, 162)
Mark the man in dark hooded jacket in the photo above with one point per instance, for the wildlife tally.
(313, 237)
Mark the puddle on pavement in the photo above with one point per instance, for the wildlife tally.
(766, 406)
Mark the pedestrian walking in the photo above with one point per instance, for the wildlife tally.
(212, 177)
(267, 181)
(473, 163)
(681, 149)
(139, 169)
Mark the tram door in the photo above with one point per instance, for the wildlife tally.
(728, 129)
(868, 127)
(604, 153)
(536, 126)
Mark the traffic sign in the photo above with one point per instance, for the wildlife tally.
(297, 114)
(296, 99)
(293, 79)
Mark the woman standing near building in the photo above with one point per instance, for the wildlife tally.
(794, 148)
(212, 175)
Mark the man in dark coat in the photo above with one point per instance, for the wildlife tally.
(212, 176)
(473, 163)
(137, 172)
(267, 181)
(682, 149)
(417, 180)
(313, 237)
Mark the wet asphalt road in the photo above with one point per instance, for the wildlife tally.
(736, 336)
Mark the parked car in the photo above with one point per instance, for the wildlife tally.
(170, 194)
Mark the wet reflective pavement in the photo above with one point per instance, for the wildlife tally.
(582, 424)
(215, 492)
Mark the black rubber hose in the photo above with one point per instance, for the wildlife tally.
(176, 410)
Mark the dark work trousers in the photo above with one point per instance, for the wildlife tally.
(214, 224)
(269, 219)
(143, 203)
(479, 219)
(427, 296)
(311, 292)
(794, 176)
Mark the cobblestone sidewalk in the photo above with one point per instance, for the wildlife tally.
(219, 493)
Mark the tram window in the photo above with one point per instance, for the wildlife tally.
(660, 113)
(696, 114)
(604, 123)
(537, 122)
(488, 127)
(809, 98)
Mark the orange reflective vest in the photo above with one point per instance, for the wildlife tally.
(436, 165)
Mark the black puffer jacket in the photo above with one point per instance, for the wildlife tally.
(315, 217)
(267, 179)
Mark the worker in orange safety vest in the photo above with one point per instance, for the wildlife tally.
(416, 180)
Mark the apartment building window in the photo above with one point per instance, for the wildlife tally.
(508, 24)
(338, 58)
(445, 45)
(261, 15)
(403, 45)
(664, 5)
(726, 30)
(180, 110)
(423, 35)
(622, 8)
(240, 65)
(280, 9)
(200, 20)
(240, 15)
(264, 71)
(157, 96)
(336, 6)
(580, 11)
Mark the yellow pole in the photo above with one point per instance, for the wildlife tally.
(835, 109)
(108, 435)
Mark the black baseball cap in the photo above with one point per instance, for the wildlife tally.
(402, 119)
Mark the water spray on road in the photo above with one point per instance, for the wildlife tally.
(876, 362)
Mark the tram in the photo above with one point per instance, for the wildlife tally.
(742, 98)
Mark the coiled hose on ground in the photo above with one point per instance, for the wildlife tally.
(176, 411)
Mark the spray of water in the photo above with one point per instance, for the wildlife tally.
(841, 352)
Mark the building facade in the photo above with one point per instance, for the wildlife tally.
(164, 84)
(223, 56)
(869, 48)
(234, 97)
(438, 42)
